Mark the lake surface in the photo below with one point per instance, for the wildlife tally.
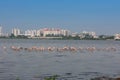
(78, 65)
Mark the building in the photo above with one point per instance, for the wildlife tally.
(0, 31)
(33, 33)
(74, 34)
(54, 32)
(117, 37)
(27, 33)
(16, 32)
(30, 33)
(39, 33)
(92, 34)
(50, 32)
(65, 32)
(46, 32)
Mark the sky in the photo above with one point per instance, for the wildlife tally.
(101, 16)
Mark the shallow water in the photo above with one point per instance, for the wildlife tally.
(68, 65)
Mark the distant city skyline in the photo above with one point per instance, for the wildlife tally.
(101, 16)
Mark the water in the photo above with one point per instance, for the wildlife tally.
(36, 65)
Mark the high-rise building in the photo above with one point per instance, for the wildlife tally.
(65, 32)
(38, 33)
(16, 31)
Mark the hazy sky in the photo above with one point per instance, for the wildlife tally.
(101, 16)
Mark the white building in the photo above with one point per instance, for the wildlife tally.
(65, 32)
(74, 34)
(30, 33)
(0, 31)
(16, 31)
(55, 32)
(117, 36)
(38, 33)
(33, 33)
(27, 33)
(52, 31)
(93, 34)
